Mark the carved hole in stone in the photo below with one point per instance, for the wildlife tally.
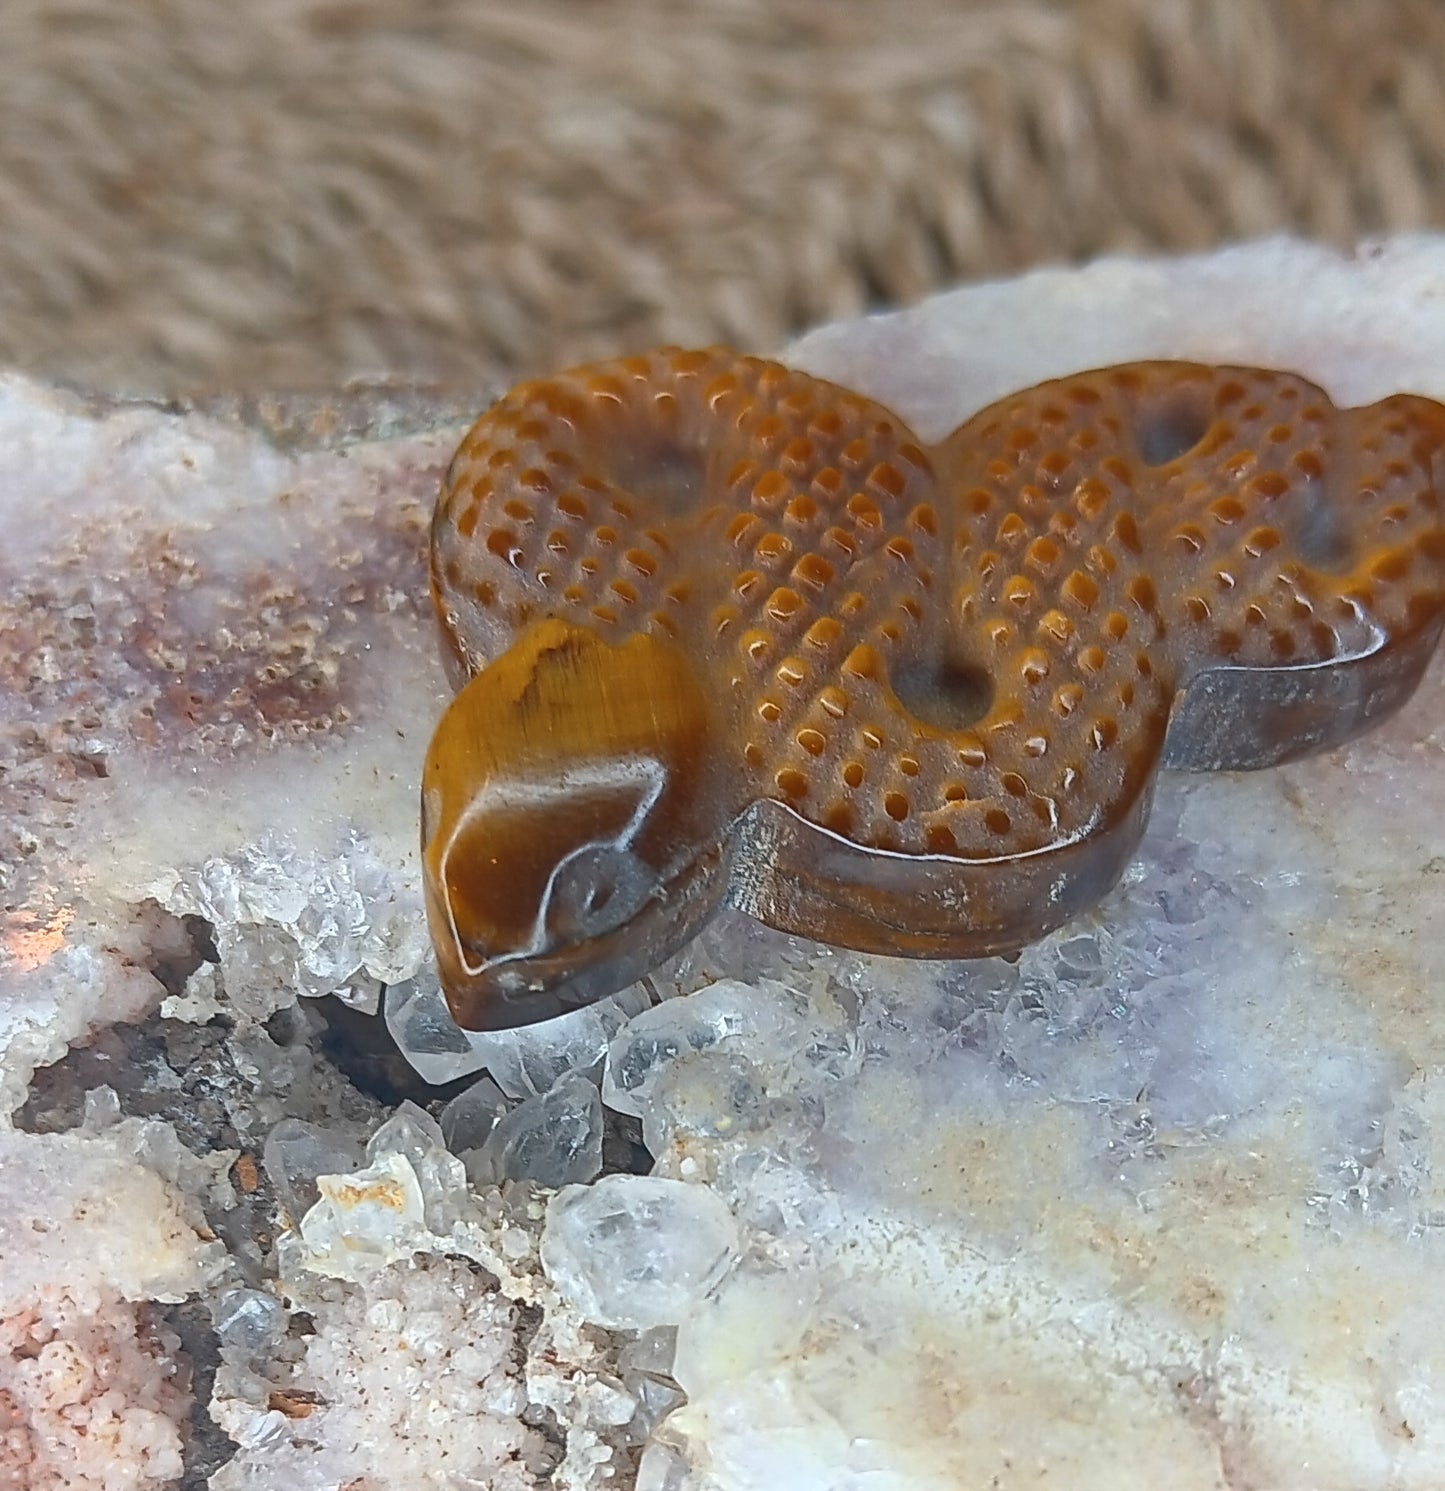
(1319, 536)
(658, 470)
(950, 694)
(1171, 426)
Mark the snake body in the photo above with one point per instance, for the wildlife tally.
(933, 683)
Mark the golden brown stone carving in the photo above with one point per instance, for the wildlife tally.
(728, 632)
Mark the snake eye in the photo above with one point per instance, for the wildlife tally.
(595, 890)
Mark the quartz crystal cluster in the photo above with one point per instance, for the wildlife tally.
(1161, 1202)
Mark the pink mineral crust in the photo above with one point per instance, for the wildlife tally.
(94, 1392)
(187, 613)
(92, 1396)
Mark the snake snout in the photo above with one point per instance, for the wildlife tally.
(564, 794)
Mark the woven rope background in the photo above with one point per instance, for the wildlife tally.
(251, 193)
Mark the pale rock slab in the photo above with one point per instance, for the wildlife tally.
(1161, 1204)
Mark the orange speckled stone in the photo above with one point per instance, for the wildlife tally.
(730, 633)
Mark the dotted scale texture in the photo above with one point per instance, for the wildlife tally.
(943, 677)
(968, 650)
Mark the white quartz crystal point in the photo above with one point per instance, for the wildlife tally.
(249, 1323)
(296, 1152)
(645, 1365)
(101, 1110)
(416, 1135)
(471, 1116)
(524, 1062)
(421, 1025)
(636, 1251)
(726, 1011)
(662, 1468)
(554, 1139)
(364, 1220)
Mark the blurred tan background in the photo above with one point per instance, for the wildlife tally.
(209, 194)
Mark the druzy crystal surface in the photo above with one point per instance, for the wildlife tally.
(1159, 1204)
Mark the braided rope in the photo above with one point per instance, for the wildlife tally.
(298, 192)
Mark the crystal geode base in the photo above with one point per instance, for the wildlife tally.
(1160, 1203)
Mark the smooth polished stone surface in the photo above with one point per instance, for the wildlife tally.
(730, 635)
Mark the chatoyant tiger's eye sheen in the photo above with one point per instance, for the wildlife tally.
(729, 633)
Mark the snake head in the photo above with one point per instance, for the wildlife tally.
(565, 835)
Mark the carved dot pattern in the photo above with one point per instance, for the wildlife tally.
(978, 650)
